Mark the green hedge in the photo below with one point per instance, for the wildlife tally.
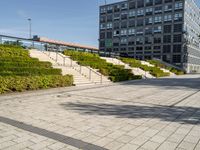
(161, 65)
(116, 73)
(30, 71)
(18, 59)
(19, 83)
(25, 64)
(155, 71)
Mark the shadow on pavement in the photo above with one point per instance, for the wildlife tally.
(174, 83)
(183, 115)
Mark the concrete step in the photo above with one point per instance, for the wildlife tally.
(69, 66)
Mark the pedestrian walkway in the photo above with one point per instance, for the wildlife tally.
(154, 114)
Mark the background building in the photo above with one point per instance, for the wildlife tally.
(145, 29)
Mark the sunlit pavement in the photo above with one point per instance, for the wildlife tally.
(145, 115)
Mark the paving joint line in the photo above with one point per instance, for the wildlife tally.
(52, 135)
(186, 97)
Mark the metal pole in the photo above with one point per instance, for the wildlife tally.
(63, 61)
(80, 68)
(71, 63)
(57, 55)
(30, 28)
(1, 40)
(90, 71)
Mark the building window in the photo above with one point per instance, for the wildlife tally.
(124, 32)
(178, 38)
(139, 40)
(168, 8)
(149, 11)
(124, 24)
(124, 15)
(132, 5)
(140, 12)
(116, 8)
(131, 41)
(157, 47)
(124, 6)
(109, 18)
(167, 18)
(157, 40)
(131, 23)
(102, 35)
(178, 5)
(116, 33)
(132, 13)
(109, 25)
(148, 21)
(116, 16)
(167, 28)
(166, 48)
(158, 2)
(157, 19)
(167, 39)
(178, 28)
(140, 3)
(168, 1)
(176, 58)
(158, 10)
(149, 2)
(109, 9)
(102, 19)
(109, 35)
(139, 31)
(103, 26)
(140, 22)
(116, 25)
(123, 41)
(178, 16)
(102, 43)
(103, 10)
(177, 48)
(148, 40)
(148, 30)
(157, 29)
(131, 31)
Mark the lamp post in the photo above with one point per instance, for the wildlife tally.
(30, 30)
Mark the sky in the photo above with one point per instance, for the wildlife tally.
(74, 21)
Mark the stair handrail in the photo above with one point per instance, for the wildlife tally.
(90, 69)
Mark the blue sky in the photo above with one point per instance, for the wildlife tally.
(68, 20)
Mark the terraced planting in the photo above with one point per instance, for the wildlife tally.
(115, 73)
(161, 65)
(20, 72)
(155, 71)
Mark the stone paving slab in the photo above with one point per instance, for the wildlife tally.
(144, 115)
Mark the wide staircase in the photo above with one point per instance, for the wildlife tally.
(83, 75)
(163, 69)
(135, 71)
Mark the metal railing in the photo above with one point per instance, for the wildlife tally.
(83, 70)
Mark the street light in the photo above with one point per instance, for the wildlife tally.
(30, 30)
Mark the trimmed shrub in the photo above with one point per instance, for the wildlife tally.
(155, 71)
(19, 83)
(20, 72)
(115, 73)
(30, 71)
(161, 65)
(25, 64)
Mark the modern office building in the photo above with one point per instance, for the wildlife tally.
(145, 29)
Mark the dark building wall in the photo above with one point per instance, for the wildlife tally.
(144, 29)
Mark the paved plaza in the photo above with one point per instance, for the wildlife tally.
(156, 114)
